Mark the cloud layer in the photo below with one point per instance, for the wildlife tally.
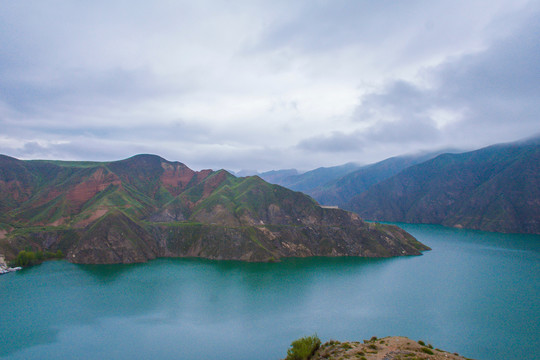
(265, 85)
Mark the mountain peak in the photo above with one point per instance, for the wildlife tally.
(145, 158)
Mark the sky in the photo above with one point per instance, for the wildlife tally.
(265, 84)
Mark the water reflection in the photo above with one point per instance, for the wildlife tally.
(107, 273)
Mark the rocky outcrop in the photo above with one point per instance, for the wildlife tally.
(388, 348)
(3, 264)
(272, 242)
(115, 238)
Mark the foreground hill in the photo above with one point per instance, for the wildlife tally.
(495, 189)
(388, 348)
(144, 207)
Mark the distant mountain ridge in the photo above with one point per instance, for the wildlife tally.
(309, 180)
(278, 177)
(144, 207)
(492, 189)
(340, 191)
(336, 185)
(496, 188)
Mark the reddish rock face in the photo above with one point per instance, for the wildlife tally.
(213, 183)
(176, 177)
(15, 189)
(84, 191)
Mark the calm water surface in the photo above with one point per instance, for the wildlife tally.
(475, 293)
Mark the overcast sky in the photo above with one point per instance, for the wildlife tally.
(265, 84)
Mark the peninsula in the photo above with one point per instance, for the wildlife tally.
(144, 207)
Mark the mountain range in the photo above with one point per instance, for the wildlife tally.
(496, 188)
(336, 185)
(144, 207)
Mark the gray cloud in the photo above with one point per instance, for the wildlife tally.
(78, 88)
(474, 100)
(264, 85)
(334, 143)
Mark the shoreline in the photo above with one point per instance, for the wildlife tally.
(5, 269)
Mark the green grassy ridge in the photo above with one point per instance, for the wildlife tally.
(252, 196)
(195, 193)
(70, 163)
(222, 195)
(143, 172)
(162, 196)
(142, 190)
(49, 211)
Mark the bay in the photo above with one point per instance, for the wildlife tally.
(475, 293)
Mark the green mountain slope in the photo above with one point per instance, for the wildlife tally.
(340, 191)
(496, 189)
(145, 207)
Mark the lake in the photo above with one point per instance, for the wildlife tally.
(475, 293)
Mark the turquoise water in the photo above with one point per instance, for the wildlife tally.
(475, 293)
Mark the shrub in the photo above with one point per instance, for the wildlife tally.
(421, 343)
(49, 255)
(303, 348)
(427, 351)
(30, 258)
(25, 258)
